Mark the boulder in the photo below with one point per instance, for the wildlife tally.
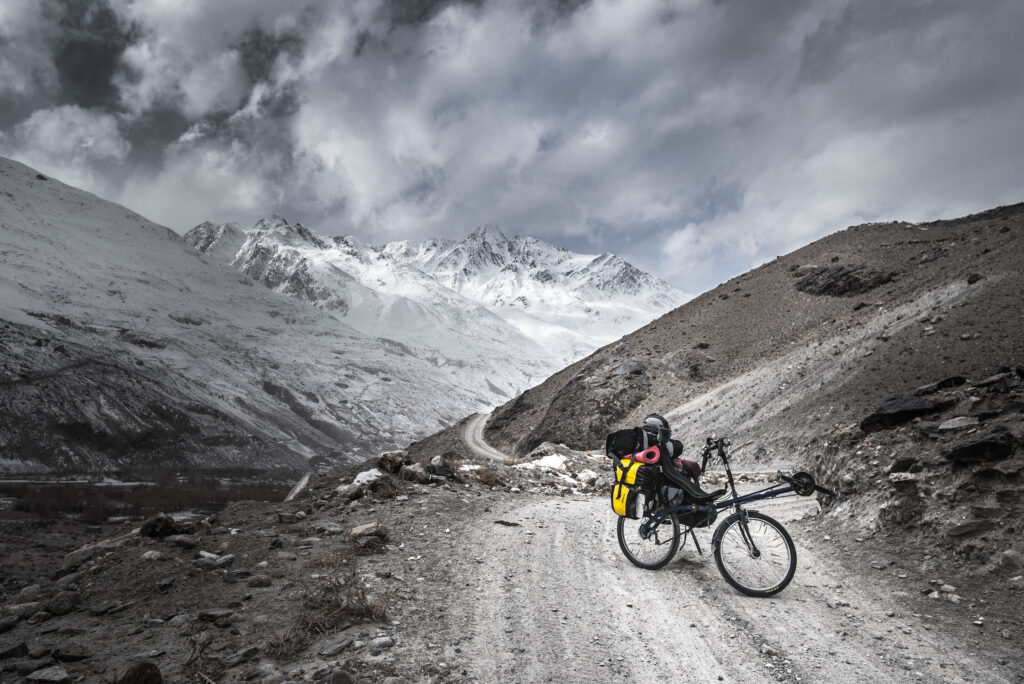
(374, 529)
(414, 473)
(8, 623)
(160, 526)
(63, 602)
(392, 461)
(74, 559)
(349, 492)
(442, 465)
(971, 527)
(994, 446)
(54, 673)
(896, 412)
(18, 650)
(1011, 560)
(842, 281)
(139, 673)
(958, 423)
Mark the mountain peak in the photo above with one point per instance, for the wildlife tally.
(487, 233)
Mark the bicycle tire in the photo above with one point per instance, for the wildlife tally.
(653, 552)
(761, 576)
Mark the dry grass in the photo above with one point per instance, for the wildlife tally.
(385, 487)
(490, 476)
(330, 603)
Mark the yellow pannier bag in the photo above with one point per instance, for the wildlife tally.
(630, 478)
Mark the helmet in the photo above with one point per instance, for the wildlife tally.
(657, 427)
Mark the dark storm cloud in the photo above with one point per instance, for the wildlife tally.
(695, 138)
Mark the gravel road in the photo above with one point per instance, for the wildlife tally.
(473, 436)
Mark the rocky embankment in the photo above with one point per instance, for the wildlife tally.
(314, 589)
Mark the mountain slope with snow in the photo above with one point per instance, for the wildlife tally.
(486, 296)
(125, 347)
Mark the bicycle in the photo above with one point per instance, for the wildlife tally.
(754, 552)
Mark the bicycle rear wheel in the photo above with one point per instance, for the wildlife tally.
(653, 548)
(754, 553)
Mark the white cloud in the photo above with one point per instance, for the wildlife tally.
(70, 142)
(25, 40)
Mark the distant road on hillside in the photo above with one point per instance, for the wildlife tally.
(473, 436)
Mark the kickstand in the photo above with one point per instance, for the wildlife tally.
(696, 543)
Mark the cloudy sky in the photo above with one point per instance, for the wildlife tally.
(695, 138)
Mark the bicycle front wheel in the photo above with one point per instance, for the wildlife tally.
(754, 553)
(649, 548)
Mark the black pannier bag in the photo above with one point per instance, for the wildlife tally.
(622, 443)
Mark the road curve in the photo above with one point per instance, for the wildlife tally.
(473, 436)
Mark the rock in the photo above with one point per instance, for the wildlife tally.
(259, 581)
(958, 423)
(287, 518)
(32, 592)
(842, 281)
(947, 589)
(414, 473)
(76, 558)
(392, 461)
(152, 556)
(903, 481)
(906, 464)
(946, 383)
(1011, 560)
(896, 412)
(367, 476)
(1000, 381)
(847, 484)
(805, 270)
(369, 529)
(160, 526)
(71, 653)
(328, 527)
(184, 541)
(164, 585)
(442, 465)
(54, 673)
(23, 610)
(768, 650)
(337, 676)
(224, 561)
(336, 647)
(587, 477)
(349, 492)
(206, 563)
(971, 527)
(629, 367)
(382, 642)
(18, 650)
(63, 602)
(242, 656)
(235, 576)
(139, 673)
(214, 614)
(371, 543)
(994, 446)
(8, 623)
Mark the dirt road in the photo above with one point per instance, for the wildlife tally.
(535, 589)
(473, 436)
(552, 599)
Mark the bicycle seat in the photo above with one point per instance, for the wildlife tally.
(682, 480)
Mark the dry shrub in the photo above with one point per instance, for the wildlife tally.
(490, 476)
(330, 603)
(385, 487)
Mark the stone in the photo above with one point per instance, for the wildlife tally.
(1000, 381)
(328, 527)
(958, 423)
(23, 610)
(841, 281)
(287, 518)
(903, 481)
(235, 576)
(349, 492)
(392, 461)
(441, 465)
(159, 527)
(374, 529)
(239, 657)
(32, 592)
(947, 589)
(139, 673)
(8, 623)
(629, 367)
(259, 581)
(152, 556)
(382, 642)
(54, 673)
(414, 473)
(971, 527)
(63, 602)
(367, 476)
(1011, 560)
(587, 477)
(906, 464)
(334, 648)
(18, 650)
(71, 653)
(184, 541)
(206, 563)
(805, 270)
(164, 585)
(896, 412)
(214, 614)
(224, 561)
(337, 676)
(74, 559)
(994, 446)
(946, 383)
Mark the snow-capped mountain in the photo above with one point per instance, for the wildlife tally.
(124, 347)
(537, 305)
